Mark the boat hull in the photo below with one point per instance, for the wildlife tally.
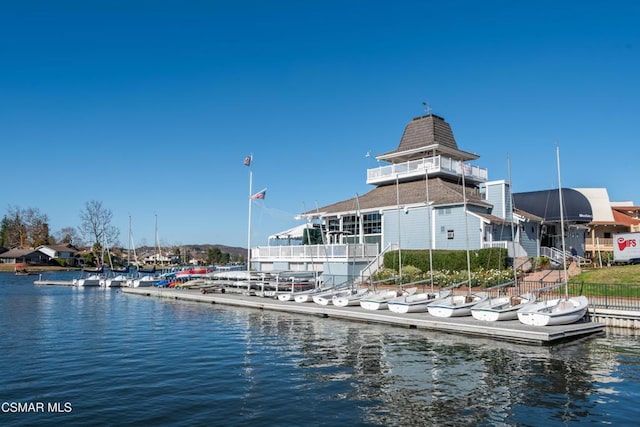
(502, 308)
(116, 282)
(456, 306)
(350, 300)
(302, 298)
(143, 282)
(558, 311)
(327, 298)
(378, 301)
(90, 281)
(418, 303)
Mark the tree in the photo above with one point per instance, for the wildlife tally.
(96, 227)
(37, 227)
(68, 235)
(24, 228)
(216, 256)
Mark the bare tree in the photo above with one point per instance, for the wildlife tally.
(37, 227)
(69, 235)
(96, 225)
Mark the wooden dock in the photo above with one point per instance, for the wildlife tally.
(511, 330)
(53, 283)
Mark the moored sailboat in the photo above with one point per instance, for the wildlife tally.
(501, 308)
(352, 298)
(380, 300)
(558, 311)
(456, 305)
(417, 303)
(504, 307)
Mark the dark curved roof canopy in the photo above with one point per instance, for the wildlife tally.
(546, 204)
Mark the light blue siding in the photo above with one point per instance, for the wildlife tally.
(498, 193)
(453, 220)
(529, 238)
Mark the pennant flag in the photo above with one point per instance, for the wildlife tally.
(260, 194)
(247, 161)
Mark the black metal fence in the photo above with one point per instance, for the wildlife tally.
(609, 296)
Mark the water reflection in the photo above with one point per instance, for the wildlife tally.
(415, 377)
(110, 350)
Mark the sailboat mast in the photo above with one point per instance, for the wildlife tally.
(513, 237)
(156, 241)
(429, 228)
(129, 244)
(564, 254)
(399, 242)
(249, 221)
(466, 225)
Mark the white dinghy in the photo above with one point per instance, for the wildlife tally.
(501, 308)
(380, 300)
(351, 299)
(417, 303)
(559, 311)
(456, 305)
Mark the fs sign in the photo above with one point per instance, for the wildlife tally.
(626, 246)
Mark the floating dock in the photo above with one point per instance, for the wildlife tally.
(53, 283)
(510, 330)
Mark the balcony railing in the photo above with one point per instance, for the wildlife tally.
(432, 165)
(600, 243)
(315, 253)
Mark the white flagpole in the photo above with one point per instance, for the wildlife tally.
(249, 223)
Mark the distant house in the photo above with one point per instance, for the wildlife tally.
(623, 218)
(66, 252)
(157, 259)
(24, 256)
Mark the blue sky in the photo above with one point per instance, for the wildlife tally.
(151, 106)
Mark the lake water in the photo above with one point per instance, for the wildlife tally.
(99, 357)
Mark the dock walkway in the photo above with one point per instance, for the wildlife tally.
(511, 330)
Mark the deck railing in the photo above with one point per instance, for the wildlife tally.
(315, 252)
(437, 164)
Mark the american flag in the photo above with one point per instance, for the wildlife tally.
(260, 194)
(247, 161)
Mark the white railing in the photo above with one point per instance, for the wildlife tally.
(556, 256)
(432, 165)
(497, 244)
(316, 253)
(376, 263)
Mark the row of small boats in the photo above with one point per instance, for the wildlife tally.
(137, 278)
(118, 281)
(443, 303)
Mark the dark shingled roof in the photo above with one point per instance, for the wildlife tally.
(425, 131)
(441, 192)
(424, 136)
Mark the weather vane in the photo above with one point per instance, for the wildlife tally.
(427, 107)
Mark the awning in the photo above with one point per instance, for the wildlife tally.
(546, 205)
(292, 233)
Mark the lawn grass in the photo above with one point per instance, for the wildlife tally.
(617, 275)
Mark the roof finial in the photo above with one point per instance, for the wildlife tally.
(427, 107)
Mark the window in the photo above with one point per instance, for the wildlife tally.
(350, 224)
(450, 234)
(372, 223)
(607, 235)
(334, 224)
